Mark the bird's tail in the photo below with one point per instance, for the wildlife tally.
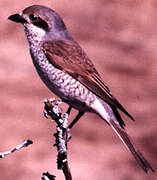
(144, 164)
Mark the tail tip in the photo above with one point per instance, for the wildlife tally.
(146, 169)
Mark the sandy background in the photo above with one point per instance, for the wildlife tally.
(121, 39)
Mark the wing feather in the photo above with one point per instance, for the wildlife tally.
(68, 56)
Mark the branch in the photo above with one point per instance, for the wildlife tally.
(62, 135)
(47, 176)
(22, 145)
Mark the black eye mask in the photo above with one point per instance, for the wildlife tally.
(37, 21)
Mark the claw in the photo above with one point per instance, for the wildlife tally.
(45, 113)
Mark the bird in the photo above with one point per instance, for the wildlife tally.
(69, 73)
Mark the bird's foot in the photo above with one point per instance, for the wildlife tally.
(52, 109)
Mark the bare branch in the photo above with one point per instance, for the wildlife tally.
(47, 176)
(22, 145)
(62, 135)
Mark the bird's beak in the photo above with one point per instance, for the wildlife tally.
(17, 18)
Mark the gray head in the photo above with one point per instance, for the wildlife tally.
(41, 23)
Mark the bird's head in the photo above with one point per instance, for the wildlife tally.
(40, 23)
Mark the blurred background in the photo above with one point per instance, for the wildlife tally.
(121, 39)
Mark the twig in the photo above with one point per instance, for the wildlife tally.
(23, 144)
(47, 176)
(62, 135)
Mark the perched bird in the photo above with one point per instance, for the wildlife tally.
(68, 72)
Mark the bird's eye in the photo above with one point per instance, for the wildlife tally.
(37, 21)
(33, 17)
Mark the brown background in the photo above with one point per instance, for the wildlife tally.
(121, 39)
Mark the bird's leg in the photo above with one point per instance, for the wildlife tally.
(68, 135)
(79, 115)
(69, 110)
(66, 129)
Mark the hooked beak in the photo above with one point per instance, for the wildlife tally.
(17, 18)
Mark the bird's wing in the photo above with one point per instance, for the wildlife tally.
(68, 56)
